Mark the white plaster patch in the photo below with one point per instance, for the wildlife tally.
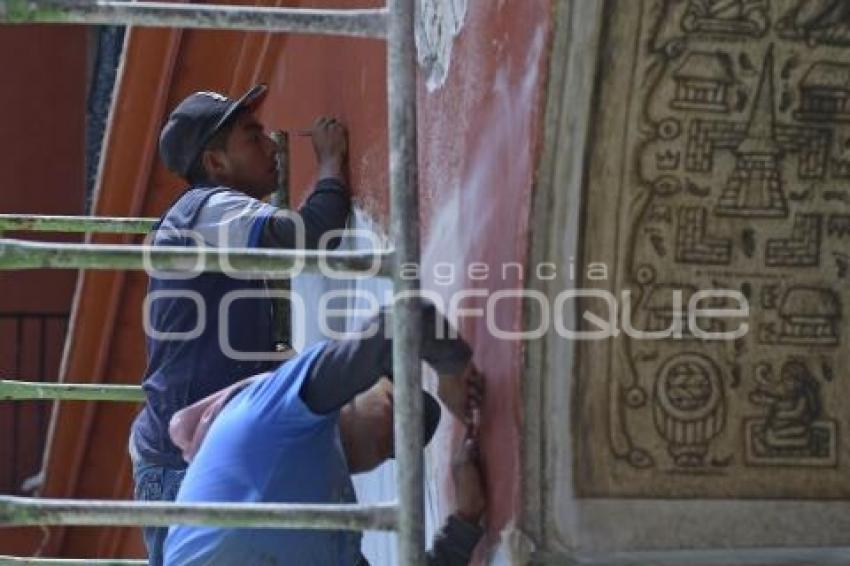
(438, 23)
(515, 548)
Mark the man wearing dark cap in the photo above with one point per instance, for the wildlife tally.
(281, 437)
(200, 339)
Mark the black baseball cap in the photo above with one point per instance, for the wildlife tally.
(430, 417)
(195, 121)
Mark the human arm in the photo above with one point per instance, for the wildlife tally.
(462, 391)
(456, 541)
(328, 206)
(348, 367)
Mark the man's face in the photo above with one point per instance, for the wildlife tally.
(248, 160)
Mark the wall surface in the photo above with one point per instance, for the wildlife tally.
(741, 187)
(42, 152)
(480, 134)
(710, 155)
(482, 74)
(42, 109)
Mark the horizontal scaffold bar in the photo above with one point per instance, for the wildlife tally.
(22, 511)
(29, 390)
(20, 254)
(103, 224)
(352, 22)
(20, 561)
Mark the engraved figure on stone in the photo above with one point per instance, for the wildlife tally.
(727, 17)
(664, 310)
(703, 81)
(793, 430)
(793, 405)
(730, 161)
(808, 316)
(817, 21)
(694, 243)
(690, 407)
(801, 248)
(841, 163)
(842, 264)
(756, 187)
(825, 93)
(838, 226)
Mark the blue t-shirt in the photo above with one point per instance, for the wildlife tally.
(266, 446)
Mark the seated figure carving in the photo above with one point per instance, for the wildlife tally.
(793, 403)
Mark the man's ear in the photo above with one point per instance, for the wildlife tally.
(215, 164)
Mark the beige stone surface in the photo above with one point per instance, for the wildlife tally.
(719, 159)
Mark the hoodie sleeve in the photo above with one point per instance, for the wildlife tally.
(455, 543)
(326, 209)
(348, 367)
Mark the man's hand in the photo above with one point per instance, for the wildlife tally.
(470, 495)
(462, 393)
(330, 142)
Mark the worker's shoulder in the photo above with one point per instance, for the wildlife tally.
(195, 197)
(280, 388)
(225, 200)
(201, 210)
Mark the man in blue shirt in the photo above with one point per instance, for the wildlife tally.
(276, 438)
(217, 145)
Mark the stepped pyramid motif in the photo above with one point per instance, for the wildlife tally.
(755, 186)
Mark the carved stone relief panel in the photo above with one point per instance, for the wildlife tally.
(720, 160)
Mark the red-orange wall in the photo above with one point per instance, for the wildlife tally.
(42, 170)
(478, 147)
(478, 152)
(42, 145)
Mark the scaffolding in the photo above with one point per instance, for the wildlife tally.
(393, 23)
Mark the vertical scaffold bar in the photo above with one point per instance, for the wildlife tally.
(281, 306)
(280, 198)
(407, 324)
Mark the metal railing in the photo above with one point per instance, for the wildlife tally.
(39, 391)
(357, 23)
(33, 511)
(21, 254)
(395, 24)
(18, 561)
(72, 224)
